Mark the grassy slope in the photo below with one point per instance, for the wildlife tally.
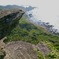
(28, 32)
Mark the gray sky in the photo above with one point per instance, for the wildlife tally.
(48, 10)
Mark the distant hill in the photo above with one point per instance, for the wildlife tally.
(17, 7)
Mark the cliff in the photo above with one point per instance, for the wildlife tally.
(8, 19)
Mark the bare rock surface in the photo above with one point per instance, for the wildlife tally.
(2, 44)
(19, 50)
(7, 12)
(43, 48)
(22, 50)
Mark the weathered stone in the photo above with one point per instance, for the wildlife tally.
(8, 20)
(43, 48)
(19, 50)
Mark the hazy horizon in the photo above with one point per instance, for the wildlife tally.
(47, 10)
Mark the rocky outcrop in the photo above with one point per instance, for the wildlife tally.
(2, 45)
(43, 48)
(8, 20)
(19, 50)
(22, 50)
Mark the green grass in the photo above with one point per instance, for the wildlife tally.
(54, 54)
(29, 32)
(26, 31)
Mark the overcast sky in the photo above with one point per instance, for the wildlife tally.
(47, 10)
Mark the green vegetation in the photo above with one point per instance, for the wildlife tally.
(2, 55)
(26, 31)
(31, 33)
(39, 54)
